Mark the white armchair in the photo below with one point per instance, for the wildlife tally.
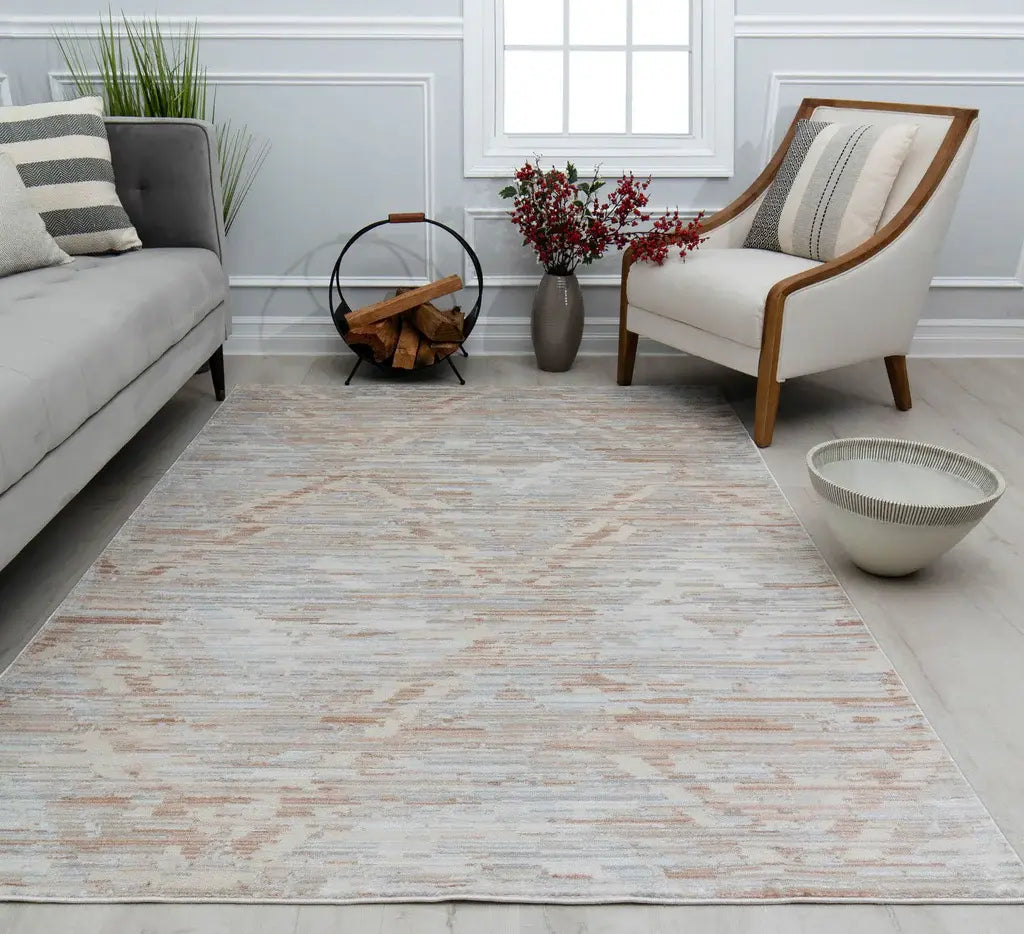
(776, 316)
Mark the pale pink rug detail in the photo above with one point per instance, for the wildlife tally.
(403, 643)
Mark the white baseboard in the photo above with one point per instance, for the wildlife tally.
(967, 337)
(587, 280)
(953, 337)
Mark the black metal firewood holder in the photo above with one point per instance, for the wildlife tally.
(340, 307)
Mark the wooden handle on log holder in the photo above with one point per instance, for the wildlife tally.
(406, 218)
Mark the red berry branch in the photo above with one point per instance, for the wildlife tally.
(568, 224)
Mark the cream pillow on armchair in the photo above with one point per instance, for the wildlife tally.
(830, 191)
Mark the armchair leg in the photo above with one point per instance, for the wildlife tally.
(217, 372)
(766, 407)
(896, 367)
(627, 356)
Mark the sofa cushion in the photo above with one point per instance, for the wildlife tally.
(72, 337)
(719, 291)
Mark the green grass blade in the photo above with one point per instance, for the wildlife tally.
(147, 72)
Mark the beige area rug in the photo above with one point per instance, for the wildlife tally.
(415, 643)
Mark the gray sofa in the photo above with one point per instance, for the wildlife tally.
(90, 351)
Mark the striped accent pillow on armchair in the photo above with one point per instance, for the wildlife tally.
(831, 188)
(63, 157)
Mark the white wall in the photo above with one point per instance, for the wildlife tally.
(362, 126)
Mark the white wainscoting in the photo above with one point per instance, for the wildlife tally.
(955, 337)
(61, 82)
(287, 43)
(747, 26)
(758, 26)
(587, 280)
(322, 282)
(250, 27)
(475, 214)
(832, 79)
(472, 215)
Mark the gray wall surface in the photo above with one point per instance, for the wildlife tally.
(362, 125)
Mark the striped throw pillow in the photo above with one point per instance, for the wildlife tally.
(63, 157)
(24, 242)
(830, 191)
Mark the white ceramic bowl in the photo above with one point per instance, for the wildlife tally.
(897, 505)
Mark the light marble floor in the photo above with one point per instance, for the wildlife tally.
(955, 632)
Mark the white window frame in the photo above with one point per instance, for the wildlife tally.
(706, 151)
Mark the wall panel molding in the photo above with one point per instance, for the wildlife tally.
(475, 214)
(472, 215)
(828, 79)
(935, 337)
(754, 26)
(251, 27)
(747, 26)
(61, 82)
(323, 282)
(5, 90)
(525, 281)
(832, 79)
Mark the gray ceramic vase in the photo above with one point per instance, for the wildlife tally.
(556, 323)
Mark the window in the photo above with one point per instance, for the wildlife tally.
(629, 84)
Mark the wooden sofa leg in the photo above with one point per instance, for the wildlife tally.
(627, 356)
(896, 367)
(217, 372)
(766, 407)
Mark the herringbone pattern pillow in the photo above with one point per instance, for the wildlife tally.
(830, 191)
(24, 242)
(63, 156)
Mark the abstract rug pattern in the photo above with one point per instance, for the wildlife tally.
(416, 643)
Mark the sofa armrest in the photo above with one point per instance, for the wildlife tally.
(168, 179)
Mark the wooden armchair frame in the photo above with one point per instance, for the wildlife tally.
(768, 386)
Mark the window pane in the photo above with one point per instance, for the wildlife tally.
(597, 92)
(533, 22)
(661, 92)
(597, 22)
(533, 92)
(661, 22)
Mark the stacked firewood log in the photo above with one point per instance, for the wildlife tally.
(406, 330)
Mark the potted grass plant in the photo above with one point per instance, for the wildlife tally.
(142, 71)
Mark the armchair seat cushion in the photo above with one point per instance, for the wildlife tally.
(721, 291)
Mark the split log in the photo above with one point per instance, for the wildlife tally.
(436, 324)
(381, 338)
(407, 349)
(424, 354)
(443, 349)
(390, 307)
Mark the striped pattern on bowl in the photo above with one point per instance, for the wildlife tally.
(985, 479)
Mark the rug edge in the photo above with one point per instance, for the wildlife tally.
(878, 645)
